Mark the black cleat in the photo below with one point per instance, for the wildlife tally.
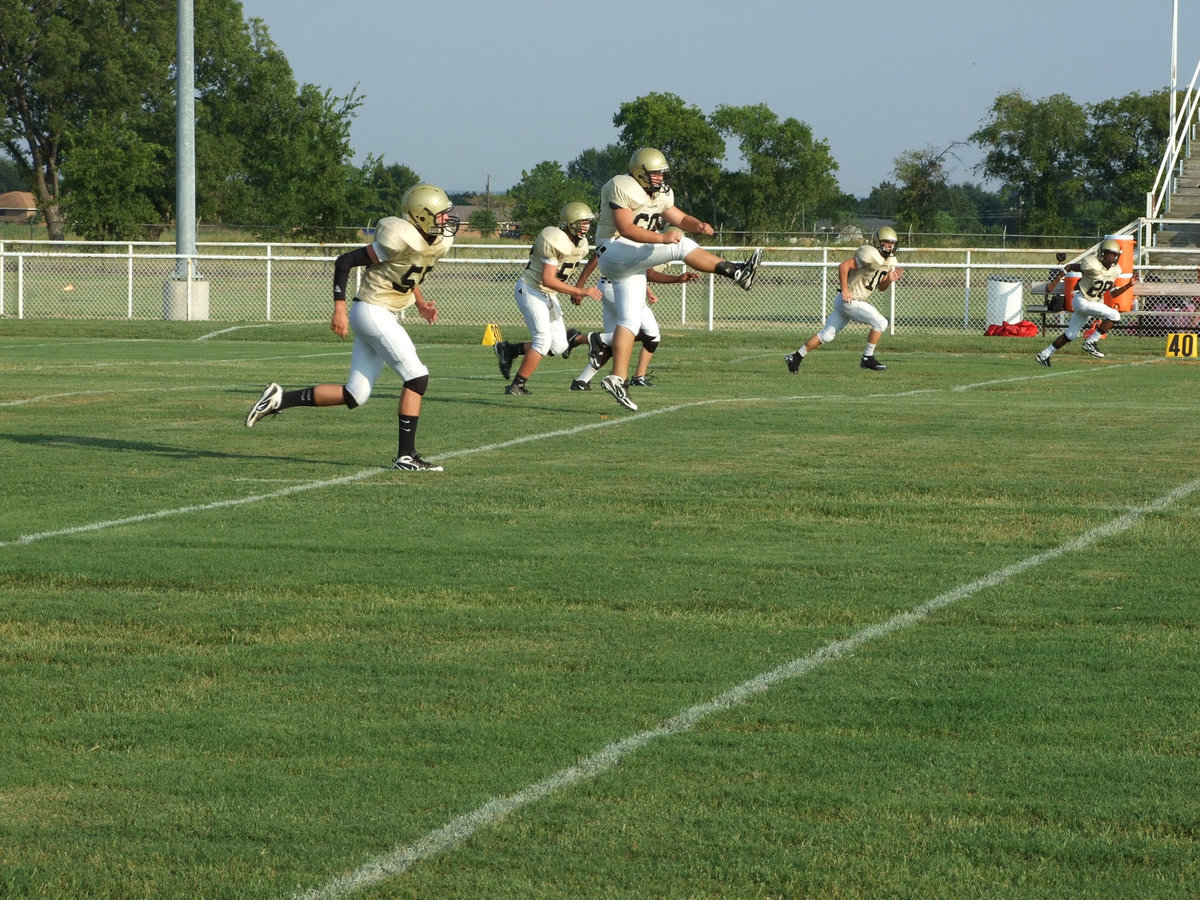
(504, 356)
(793, 361)
(580, 385)
(870, 362)
(572, 334)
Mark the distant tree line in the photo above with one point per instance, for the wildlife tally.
(88, 124)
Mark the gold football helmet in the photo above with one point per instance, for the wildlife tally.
(1110, 252)
(576, 219)
(647, 162)
(886, 233)
(422, 204)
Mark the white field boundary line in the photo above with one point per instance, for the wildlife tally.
(460, 829)
(25, 539)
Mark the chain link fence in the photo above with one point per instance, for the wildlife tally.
(942, 291)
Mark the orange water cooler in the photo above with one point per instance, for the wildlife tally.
(1124, 303)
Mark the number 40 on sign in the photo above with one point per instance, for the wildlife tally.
(1182, 344)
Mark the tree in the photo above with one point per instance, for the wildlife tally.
(923, 191)
(484, 222)
(542, 192)
(387, 186)
(1129, 137)
(788, 178)
(597, 166)
(692, 145)
(11, 176)
(1035, 149)
(76, 74)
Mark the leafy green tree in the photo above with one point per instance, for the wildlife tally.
(692, 145)
(387, 185)
(1128, 138)
(788, 178)
(483, 221)
(77, 73)
(1036, 149)
(542, 192)
(598, 166)
(923, 191)
(11, 176)
(117, 205)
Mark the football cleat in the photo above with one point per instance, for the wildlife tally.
(515, 388)
(616, 387)
(598, 352)
(744, 276)
(1043, 360)
(572, 334)
(580, 385)
(267, 405)
(793, 361)
(641, 381)
(1090, 347)
(870, 362)
(414, 463)
(504, 356)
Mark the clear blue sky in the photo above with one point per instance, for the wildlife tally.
(462, 89)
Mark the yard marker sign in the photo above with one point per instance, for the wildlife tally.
(1182, 344)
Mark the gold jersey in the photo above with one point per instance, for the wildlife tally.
(556, 247)
(870, 267)
(405, 258)
(623, 191)
(1095, 279)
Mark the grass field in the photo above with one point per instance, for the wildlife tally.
(930, 632)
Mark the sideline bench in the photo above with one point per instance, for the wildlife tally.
(1134, 316)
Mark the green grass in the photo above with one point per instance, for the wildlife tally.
(279, 678)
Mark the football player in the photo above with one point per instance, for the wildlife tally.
(397, 261)
(1097, 275)
(556, 251)
(648, 335)
(630, 238)
(872, 268)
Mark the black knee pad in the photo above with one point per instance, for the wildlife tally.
(348, 399)
(418, 385)
(651, 344)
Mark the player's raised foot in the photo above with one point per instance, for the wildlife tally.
(793, 361)
(504, 356)
(1090, 347)
(267, 405)
(580, 385)
(515, 388)
(616, 387)
(598, 352)
(870, 362)
(414, 463)
(641, 381)
(744, 276)
(572, 334)
(1043, 360)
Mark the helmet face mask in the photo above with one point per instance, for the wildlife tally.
(429, 209)
(645, 164)
(1109, 253)
(884, 235)
(576, 219)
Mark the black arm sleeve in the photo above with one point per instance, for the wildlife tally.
(342, 266)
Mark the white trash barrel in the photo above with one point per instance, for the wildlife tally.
(1004, 299)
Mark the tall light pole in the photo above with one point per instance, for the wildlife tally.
(184, 297)
(1174, 59)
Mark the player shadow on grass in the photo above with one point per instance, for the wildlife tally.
(98, 443)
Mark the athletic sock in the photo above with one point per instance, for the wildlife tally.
(300, 397)
(408, 436)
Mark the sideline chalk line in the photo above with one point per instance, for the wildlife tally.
(463, 827)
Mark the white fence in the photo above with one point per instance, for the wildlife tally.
(942, 290)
